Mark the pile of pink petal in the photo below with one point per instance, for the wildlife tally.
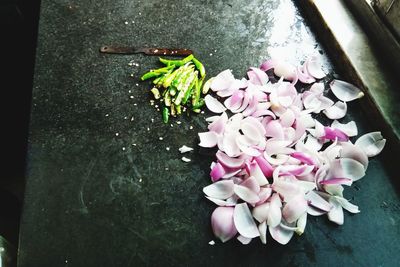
(276, 164)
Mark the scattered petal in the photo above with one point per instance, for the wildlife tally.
(371, 143)
(345, 91)
(213, 104)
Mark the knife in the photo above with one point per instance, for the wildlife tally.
(125, 50)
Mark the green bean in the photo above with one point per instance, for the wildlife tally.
(199, 66)
(185, 87)
(176, 63)
(165, 115)
(155, 92)
(189, 91)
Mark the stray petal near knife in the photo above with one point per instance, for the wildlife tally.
(125, 50)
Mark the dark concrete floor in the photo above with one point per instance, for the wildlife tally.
(18, 21)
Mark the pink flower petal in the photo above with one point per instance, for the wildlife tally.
(268, 64)
(222, 81)
(208, 139)
(333, 134)
(217, 172)
(230, 162)
(345, 91)
(213, 104)
(221, 189)
(246, 194)
(265, 167)
(318, 202)
(274, 129)
(301, 224)
(304, 76)
(264, 194)
(244, 222)
(222, 223)
(257, 76)
(260, 212)
(295, 208)
(274, 213)
(258, 174)
(235, 101)
(218, 125)
(252, 184)
(350, 128)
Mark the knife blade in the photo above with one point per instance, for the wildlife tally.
(126, 50)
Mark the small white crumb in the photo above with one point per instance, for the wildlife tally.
(116, 134)
(130, 64)
(166, 168)
(167, 148)
(178, 122)
(132, 119)
(152, 120)
(137, 84)
(130, 91)
(123, 148)
(211, 54)
(132, 75)
(137, 64)
(106, 115)
(140, 180)
(172, 125)
(185, 159)
(191, 127)
(135, 104)
(140, 13)
(156, 106)
(126, 22)
(148, 129)
(156, 50)
(125, 118)
(212, 243)
(133, 144)
(184, 149)
(215, 50)
(158, 109)
(133, 21)
(160, 138)
(131, 97)
(202, 112)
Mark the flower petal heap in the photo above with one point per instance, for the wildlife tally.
(275, 163)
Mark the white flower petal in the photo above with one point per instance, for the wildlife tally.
(208, 139)
(214, 105)
(371, 143)
(337, 111)
(280, 234)
(246, 194)
(345, 91)
(244, 222)
(221, 189)
(262, 228)
(350, 128)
